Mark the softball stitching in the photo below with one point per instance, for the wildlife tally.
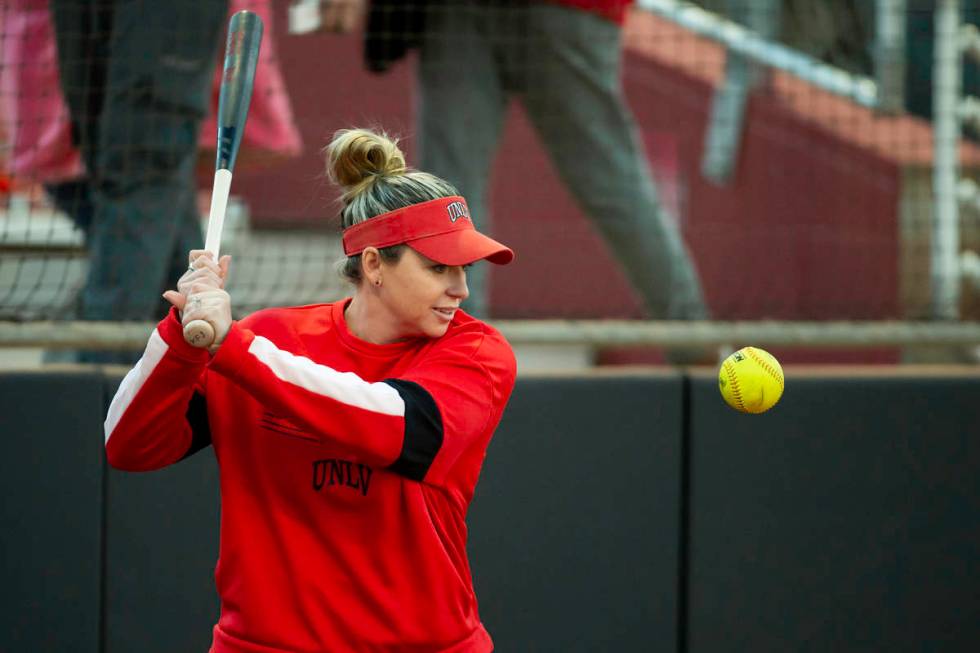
(765, 365)
(733, 382)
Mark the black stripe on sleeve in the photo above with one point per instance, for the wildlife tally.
(197, 418)
(423, 430)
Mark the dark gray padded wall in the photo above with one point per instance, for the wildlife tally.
(161, 549)
(846, 519)
(574, 528)
(51, 461)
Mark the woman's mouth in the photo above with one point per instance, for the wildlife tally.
(445, 313)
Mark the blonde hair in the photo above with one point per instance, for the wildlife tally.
(370, 169)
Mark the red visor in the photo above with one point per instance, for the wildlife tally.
(439, 229)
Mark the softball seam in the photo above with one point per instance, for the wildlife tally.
(765, 365)
(733, 382)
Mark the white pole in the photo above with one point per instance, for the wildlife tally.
(890, 54)
(947, 67)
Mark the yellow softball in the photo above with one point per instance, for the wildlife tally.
(751, 380)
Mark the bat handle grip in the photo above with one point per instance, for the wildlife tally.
(199, 333)
(219, 205)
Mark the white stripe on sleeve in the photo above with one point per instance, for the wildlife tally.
(156, 348)
(345, 387)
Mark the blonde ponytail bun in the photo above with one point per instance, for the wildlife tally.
(358, 157)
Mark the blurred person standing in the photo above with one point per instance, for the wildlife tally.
(135, 75)
(561, 59)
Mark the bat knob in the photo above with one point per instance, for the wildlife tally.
(199, 333)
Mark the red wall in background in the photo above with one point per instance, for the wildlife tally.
(806, 229)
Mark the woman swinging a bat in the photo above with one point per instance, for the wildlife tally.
(349, 435)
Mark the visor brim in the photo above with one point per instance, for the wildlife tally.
(462, 248)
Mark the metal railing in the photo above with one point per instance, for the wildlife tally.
(596, 333)
(742, 41)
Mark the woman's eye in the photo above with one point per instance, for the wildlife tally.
(438, 269)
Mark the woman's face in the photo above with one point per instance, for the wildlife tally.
(421, 295)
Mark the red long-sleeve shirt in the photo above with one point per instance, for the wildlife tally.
(346, 472)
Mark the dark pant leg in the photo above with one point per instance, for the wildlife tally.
(574, 97)
(82, 30)
(159, 69)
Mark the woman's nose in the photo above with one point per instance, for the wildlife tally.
(458, 286)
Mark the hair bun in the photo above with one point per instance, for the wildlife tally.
(355, 156)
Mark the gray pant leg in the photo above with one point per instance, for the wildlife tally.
(161, 62)
(461, 108)
(574, 97)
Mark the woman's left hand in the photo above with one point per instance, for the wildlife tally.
(200, 294)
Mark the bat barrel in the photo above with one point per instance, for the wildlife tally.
(238, 77)
(241, 57)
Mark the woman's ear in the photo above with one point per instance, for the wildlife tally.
(371, 265)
